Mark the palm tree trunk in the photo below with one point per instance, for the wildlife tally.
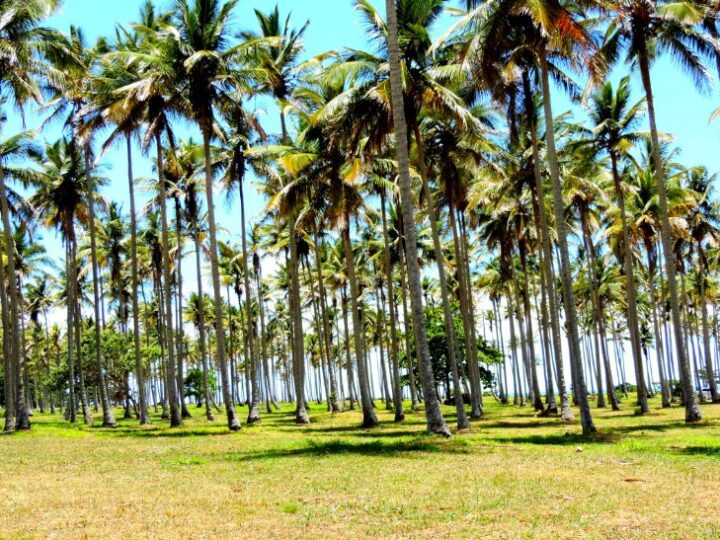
(452, 350)
(232, 419)
(166, 287)
(334, 401)
(631, 291)
(253, 409)
(542, 226)
(709, 372)
(139, 370)
(565, 268)
(298, 338)
(8, 362)
(387, 267)
(107, 411)
(179, 308)
(692, 410)
(87, 416)
(22, 420)
(414, 404)
(435, 420)
(201, 327)
(369, 418)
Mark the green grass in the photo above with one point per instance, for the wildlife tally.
(511, 476)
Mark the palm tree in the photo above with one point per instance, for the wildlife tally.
(61, 201)
(640, 29)
(435, 420)
(203, 59)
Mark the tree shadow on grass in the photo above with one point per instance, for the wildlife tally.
(137, 432)
(709, 451)
(559, 440)
(322, 449)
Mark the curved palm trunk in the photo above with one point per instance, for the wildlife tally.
(453, 351)
(139, 370)
(538, 189)
(166, 288)
(387, 267)
(565, 268)
(107, 411)
(232, 419)
(631, 291)
(692, 410)
(435, 420)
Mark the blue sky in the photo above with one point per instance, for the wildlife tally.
(335, 24)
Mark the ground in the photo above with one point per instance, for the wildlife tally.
(511, 476)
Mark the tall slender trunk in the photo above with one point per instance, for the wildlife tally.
(692, 410)
(107, 411)
(348, 356)
(452, 350)
(87, 415)
(435, 420)
(201, 326)
(394, 349)
(253, 409)
(180, 372)
(565, 268)
(547, 267)
(631, 291)
(8, 360)
(232, 419)
(334, 397)
(70, 298)
(298, 338)
(414, 404)
(369, 418)
(709, 372)
(22, 417)
(139, 369)
(170, 379)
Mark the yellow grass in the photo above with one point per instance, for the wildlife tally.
(512, 476)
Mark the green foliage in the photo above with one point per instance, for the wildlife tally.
(194, 383)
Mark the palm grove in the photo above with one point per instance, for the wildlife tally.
(432, 231)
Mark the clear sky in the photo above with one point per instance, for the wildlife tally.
(335, 24)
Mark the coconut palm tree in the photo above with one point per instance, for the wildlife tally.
(203, 59)
(61, 202)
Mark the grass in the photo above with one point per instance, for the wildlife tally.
(511, 476)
